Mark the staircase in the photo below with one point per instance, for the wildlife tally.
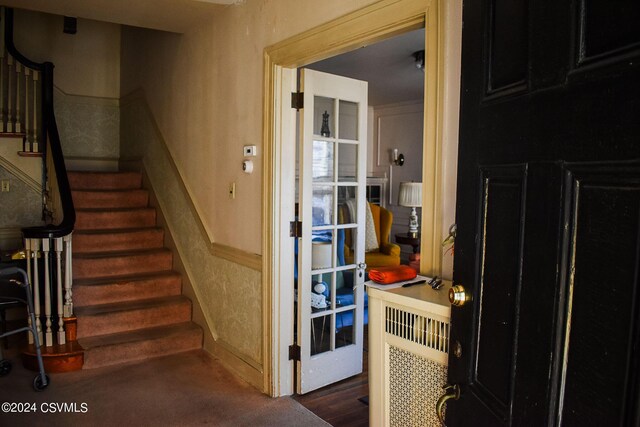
(127, 298)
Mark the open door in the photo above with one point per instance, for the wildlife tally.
(546, 327)
(331, 270)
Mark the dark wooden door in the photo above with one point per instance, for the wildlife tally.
(548, 215)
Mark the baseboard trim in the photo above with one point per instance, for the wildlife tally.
(254, 375)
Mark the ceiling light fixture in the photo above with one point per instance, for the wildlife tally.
(419, 58)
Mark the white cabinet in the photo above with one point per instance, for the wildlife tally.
(408, 351)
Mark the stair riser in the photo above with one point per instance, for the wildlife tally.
(104, 181)
(122, 291)
(114, 354)
(110, 220)
(85, 268)
(134, 240)
(110, 199)
(122, 321)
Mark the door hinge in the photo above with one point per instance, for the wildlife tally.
(294, 352)
(295, 229)
(297, 100)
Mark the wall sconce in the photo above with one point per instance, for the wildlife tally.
(398, 159)
(419, 59)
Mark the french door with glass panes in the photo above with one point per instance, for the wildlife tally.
(333, 143)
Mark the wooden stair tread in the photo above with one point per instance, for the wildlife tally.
(117, 230)
(109, 210)
(89, 343)
(59, 350)
(109, 190)
(100, 281)
(120, 254)
(147, 304)
(104, 180)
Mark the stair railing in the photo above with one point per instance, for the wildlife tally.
(26, 104)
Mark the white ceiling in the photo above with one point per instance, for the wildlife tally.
(388, 66)
(168, 15)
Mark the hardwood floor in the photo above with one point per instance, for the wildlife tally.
(339, 404)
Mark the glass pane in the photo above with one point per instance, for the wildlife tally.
(323, 161)
(322, 205)
(347, 206)
(323, 116)
(350, 237)
(321, 255)
(347, 162)
(348, 120)
(320, 286)
(320, 337)
(345, 331)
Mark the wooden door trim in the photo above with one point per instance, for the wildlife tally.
(366, 26)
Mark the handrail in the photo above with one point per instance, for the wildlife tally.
(50, 138)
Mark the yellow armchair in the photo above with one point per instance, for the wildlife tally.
(388, 253)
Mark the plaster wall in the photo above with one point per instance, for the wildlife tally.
(398, 126)
(205, 92)
(86, 77)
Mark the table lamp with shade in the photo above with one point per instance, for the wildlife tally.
(410, 195)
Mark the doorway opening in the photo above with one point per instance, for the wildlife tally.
(393, 69)
(379, 21)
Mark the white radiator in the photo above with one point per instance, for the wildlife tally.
(408, 351)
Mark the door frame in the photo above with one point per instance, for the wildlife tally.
(363, 27)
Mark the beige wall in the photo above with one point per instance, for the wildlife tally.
(205, 92)
(398, 126)
(86, 77)
(86, 63)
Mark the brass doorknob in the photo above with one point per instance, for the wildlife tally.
(458, 296)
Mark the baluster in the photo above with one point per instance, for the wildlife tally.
(58, 249)
(68, 278)
(48, 333)
(35, 247)
(27, 249)
(27, 144)
(2, 109)
(9, 93)
(35, 146)
(18, 125)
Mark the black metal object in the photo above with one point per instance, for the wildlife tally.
(70, 25)
(294, 352)
(297, 100)
(19, 290)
